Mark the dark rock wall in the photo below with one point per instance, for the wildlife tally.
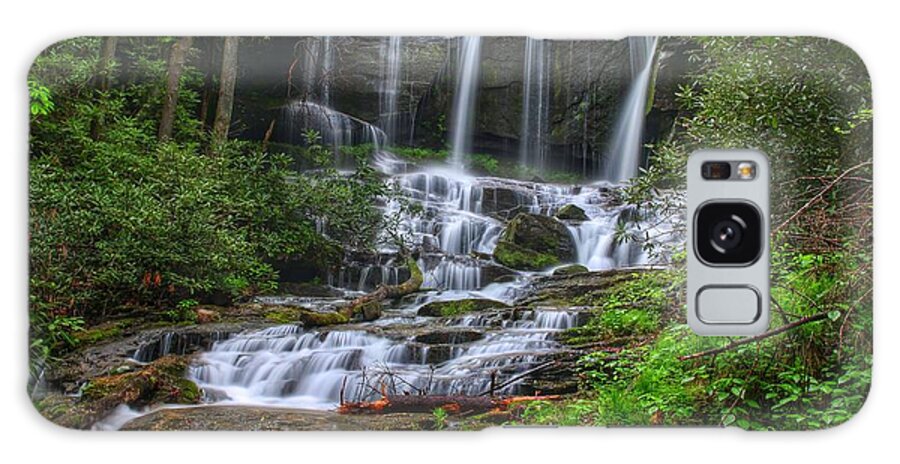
(587, 81)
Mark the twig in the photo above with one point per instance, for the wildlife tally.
(516, 378)
(756, 338)
(819, 196)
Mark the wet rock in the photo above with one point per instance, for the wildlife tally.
(577, 289)
(456, 307)
(569, 270)
(533, 242)
(571, 213)
(161, 382)
(308, 289)
(491, 273)
(503, 201)
(268, 418)
(451, 337)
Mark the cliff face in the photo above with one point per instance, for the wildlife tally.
(572, 90)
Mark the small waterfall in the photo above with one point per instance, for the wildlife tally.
(464, 100)
(389, 90)
(336, 129)
(285, 365)
(535, 104)
(624, 155)
(327, 68)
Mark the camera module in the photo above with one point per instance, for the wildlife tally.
(728, 233)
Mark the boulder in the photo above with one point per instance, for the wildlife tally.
(570, 269)
(571, 213)
(448, 308)
(533, 242)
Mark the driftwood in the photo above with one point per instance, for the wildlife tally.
(384, 292)
(428, 403)
(756, 338)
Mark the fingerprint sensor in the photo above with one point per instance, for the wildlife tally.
(725, 304)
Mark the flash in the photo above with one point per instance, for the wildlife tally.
(746, 170)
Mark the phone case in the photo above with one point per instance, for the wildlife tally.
(432, 233)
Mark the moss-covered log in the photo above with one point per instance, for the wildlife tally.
(369, 305)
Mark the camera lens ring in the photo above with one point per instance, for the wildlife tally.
(740, 246)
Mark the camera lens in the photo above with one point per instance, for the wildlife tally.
(728, 233)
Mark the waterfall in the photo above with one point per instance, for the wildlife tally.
(535, 104)
(327, 67)
(336, 129)
(287, 366)
(624, 155)
(467, 80)
(389, 90)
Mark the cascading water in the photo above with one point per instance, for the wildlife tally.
(463, 116)
(287, 366)
(389, 90)
(459, 222)
(624, 155)
(334, 128)
(535, 105)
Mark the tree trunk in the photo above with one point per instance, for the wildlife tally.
(208, 89)
(102, 73)
(107, 55)
(173, 81)
(226, 91)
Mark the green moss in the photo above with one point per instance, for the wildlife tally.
(629, 304)
(419, 153)
(98, 334)
(106, 331)
(451, 308)
(461, 307)
(517, 257)
(162, 381)
(571, 269)
(284, 316)
(315, 319)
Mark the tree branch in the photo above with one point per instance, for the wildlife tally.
(756, 338)
(819, 196)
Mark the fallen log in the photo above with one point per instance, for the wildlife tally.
(428, 403)
(370, 303)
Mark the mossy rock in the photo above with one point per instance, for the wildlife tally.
(284, 315)
(570, 269)
(571, 213)
(451, 308)
(162, 381)
(517, 257)
(533, 242)
(317, 319)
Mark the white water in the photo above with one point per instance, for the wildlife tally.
(287, 366)
(625, 150)
(335, 129)
(465, 97)
(389, 90)
(462, 216)
(535, 105)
